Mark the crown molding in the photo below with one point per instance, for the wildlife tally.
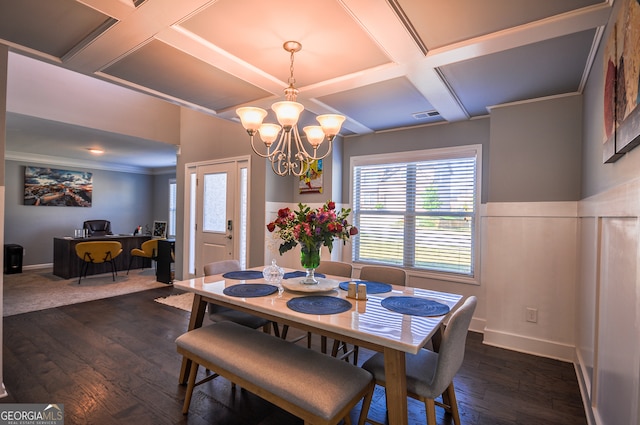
(77, 163)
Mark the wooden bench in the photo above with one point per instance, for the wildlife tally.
(313, 386)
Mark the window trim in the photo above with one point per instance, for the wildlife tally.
(172, 217)
(427, 155)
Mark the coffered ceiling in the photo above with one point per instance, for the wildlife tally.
(383, 63)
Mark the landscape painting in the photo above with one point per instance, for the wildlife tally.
(58, 188)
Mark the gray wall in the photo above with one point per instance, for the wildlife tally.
(427, 137)
(535, 153)
(204, 138)
(530, 151)
(126, 199)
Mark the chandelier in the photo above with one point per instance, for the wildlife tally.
(288, 155)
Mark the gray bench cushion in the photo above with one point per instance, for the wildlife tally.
(319, 384)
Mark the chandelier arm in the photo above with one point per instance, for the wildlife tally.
(316, 158)
(256, 151)
(278, 172)
(299, 146)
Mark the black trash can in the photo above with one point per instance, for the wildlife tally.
(13, 258)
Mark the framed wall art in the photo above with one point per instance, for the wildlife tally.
(58, 188)
(622, 84)
(159, 229)
(311, 179)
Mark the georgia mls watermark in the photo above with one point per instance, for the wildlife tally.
(31, 414)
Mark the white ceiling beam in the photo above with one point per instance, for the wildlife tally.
(544, 29)
(131, 32)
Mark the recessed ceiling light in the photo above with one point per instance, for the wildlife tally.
(95, 151)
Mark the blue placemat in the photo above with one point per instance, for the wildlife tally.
(372, 287)
(243, 275)
(319, 304)
(250, 290)
(415, 306)
(300, 273)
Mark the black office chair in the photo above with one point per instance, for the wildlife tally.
(98, 227)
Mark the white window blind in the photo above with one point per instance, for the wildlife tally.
(417, 214)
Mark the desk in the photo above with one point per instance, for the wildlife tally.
(67, 265)
(367, 324)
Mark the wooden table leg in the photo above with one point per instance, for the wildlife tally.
(396, 386)
(195, 321)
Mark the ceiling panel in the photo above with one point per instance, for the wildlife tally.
(256, 37)
(542, 69)
(383, 105)
(167, 70)
(52, 27)
(440, 23)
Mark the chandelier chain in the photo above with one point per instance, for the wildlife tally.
(292, 80)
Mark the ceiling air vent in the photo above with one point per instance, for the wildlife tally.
(425, 115)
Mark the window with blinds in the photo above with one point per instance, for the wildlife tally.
(417, 210)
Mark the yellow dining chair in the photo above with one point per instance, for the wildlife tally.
(148, 249)
(96, 253)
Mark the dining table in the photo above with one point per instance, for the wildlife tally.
(392, 319)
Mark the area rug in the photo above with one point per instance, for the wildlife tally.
(181, 301)
(39, 289)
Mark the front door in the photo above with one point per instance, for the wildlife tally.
(216, 200)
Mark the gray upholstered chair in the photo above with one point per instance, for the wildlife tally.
(218, 313)
(430, 374)
(384, 274)
(335, 268)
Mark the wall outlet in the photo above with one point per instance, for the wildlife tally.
(532, 315)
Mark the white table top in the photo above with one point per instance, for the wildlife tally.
(367, 321)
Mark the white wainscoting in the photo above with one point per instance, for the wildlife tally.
(608, 317)
(529, 261)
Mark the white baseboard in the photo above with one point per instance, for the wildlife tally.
(537, 347)
(38, 266)
(477, 325)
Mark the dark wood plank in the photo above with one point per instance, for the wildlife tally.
(114, 361)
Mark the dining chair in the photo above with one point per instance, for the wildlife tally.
(96, 253)
(430, 374)
(338, 268)
(335, 268)
(148, 249)
(218, 313)
(384, 274)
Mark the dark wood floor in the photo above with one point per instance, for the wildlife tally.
(114, 361)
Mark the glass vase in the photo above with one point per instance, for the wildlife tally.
(310, 259)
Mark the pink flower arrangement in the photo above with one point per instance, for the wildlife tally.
(312, 228)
